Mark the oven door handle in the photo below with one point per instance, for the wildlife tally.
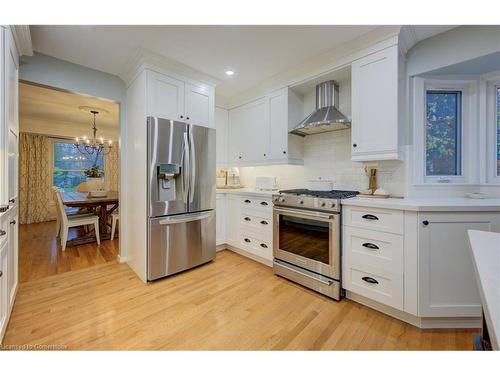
(304, 214)
(328, 283)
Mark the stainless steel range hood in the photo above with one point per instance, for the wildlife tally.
(326, 117)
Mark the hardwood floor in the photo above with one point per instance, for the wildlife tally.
(232, 303)
(40, 253)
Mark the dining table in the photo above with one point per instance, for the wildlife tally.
(102, 206)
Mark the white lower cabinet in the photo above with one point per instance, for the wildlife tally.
(220, 226)
(418, 263)
(447, 283)
(4, 298)
(248, 224)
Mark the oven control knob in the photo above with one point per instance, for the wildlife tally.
(300, 201)
(282, 200)
(275, 199)
(332, 204)
(323, 204)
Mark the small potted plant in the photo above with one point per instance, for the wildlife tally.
(94, 178)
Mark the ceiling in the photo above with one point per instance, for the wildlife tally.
(255, 53)
(45, 105)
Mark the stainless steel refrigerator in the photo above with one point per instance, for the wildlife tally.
(181, 196)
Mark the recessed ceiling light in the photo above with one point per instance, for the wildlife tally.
(229, 72)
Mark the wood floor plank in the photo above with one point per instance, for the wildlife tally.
(230, 304)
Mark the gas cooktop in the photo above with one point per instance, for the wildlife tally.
(312, 199)
(330, 194)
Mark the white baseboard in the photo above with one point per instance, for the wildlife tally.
(247, 254)
(121, 259)
(466, 322)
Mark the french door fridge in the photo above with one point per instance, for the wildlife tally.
(181, 196)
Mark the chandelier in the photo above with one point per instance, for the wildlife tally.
(93, 147)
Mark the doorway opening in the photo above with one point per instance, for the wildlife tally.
(68, 188)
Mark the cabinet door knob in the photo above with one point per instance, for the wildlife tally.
(263, 222)
(239, 157)
(248, 219)
(12, 222)
(425, 222)
(187, 118)
(370, 280)
(13, 200)
(284, 152)
(2, 232)
(247, 201)
(182, 116)
(354, 145)
(247, 240)
(1, 273)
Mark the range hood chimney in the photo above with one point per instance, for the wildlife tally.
(326, 117)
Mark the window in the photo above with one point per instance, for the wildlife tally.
(69, 165)
(443, 130)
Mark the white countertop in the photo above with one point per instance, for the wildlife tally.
(247, 191)
(486, 258)
(427, 204)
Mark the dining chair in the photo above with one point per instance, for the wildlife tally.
(71, 221)
(115, 216)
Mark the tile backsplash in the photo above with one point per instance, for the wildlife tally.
(328, 155)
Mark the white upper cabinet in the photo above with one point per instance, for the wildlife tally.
(200, 105)
(221, 120)
(375, 106)
(180, 100)
(258, 131)
(165, 96)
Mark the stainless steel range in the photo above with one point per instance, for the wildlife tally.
(306, 246)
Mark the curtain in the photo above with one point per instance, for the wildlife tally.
(112, 169)
(35, 179)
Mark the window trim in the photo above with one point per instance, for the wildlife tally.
(468, 88)
(492, 83)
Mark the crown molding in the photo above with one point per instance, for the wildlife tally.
(22, 38)
(407, 38)
(144, 59)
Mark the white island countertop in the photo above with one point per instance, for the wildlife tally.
(486, 258)
(247, 191)
(427, 204)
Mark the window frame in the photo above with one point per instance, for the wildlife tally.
(468, 115)
(53, 158)
(492, 84)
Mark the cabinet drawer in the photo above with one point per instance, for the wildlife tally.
(261, 224)
(373, 251)
(391, 221)
(257, 203)
(4, 230)
(384, 289)
(262, 248)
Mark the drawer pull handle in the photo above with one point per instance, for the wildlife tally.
(371, 246)
(247, 219)
(12, 222)
(247, 201)
(370, 280)
(12, 200)
(425, 222)
(263, 222)
(264, 203)
(2, 232)
(263, 245)
(247, 240)
(369, 217)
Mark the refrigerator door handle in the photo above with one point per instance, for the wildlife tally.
(185, 218)
(185, 169)
(192, 166)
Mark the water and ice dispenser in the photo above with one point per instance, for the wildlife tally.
(166, 175)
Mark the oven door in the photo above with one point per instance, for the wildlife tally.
(307, 239)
